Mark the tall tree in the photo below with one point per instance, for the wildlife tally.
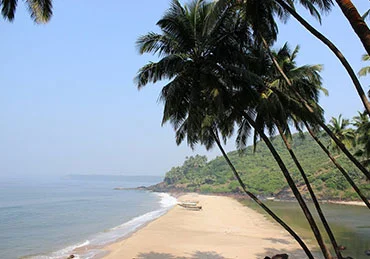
(284, 7)
(307, 79)
(40, 10)
(325, 5)
(275, 110)
(313, 85)
(314, 116)
(195, 54)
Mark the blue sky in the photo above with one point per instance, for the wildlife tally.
(68, 103)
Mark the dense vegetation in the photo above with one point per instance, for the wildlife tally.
(261, 174)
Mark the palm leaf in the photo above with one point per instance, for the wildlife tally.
(8, 9)
(40, 10)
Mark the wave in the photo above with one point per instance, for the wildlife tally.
(93, 247)
(60, 254)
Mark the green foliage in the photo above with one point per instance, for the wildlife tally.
(262, 175)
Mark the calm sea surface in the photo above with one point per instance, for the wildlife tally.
(350, 224)
(51, 220)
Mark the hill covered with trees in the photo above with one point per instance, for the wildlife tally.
(262, 175)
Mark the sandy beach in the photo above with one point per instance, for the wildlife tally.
(222, 229)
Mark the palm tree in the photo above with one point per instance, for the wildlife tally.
(362, 124)
(275, 110)
(325, 5)
(40, 10)
(357, 22)
(307, 79)
(315, 83)
(282, 8)
(247, 112)
(196, 54)
(319, 121)
(339, 126)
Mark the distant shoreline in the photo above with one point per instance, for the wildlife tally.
(351, 203)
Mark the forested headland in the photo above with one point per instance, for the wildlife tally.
(261, 174)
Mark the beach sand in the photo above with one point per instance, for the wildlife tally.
(224, 228)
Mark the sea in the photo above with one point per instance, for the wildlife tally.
(79, 215)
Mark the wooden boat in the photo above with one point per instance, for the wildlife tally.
(190, 205)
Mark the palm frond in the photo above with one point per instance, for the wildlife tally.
(166, 68)
(8, 9)
(41, 10)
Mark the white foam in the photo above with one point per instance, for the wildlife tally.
(98, 241)
(167, 201)
(62, 253)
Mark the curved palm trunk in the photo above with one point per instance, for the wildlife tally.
(358, 24)
(260, 203)
(340, 168)
(292, 186)
(334, 49)
(312, 194)
(315, 118)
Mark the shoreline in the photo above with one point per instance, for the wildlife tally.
(347, 203)
(94, 246)
(243, 196)
(224, 228)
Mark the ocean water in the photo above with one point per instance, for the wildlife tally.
(75, 215)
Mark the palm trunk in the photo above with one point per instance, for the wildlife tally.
(312, 194)
(263, 206)
(334, 49)
(315, 118)
(340, 168)
(358, 24)
(292, 186)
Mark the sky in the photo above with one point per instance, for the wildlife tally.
(69, 105)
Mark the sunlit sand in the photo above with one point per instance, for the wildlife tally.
(223, 228)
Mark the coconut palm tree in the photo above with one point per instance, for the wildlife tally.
(40, 10)
(362, 124)
(314, 81)
(307, 79)
(324, 5)
(339, 126)
(275, 110)
(319, 121)
(247, 112)
(283, 9)
(197, 56)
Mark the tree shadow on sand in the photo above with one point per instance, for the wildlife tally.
(278, 240)
(195, 255)
(297, 253)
